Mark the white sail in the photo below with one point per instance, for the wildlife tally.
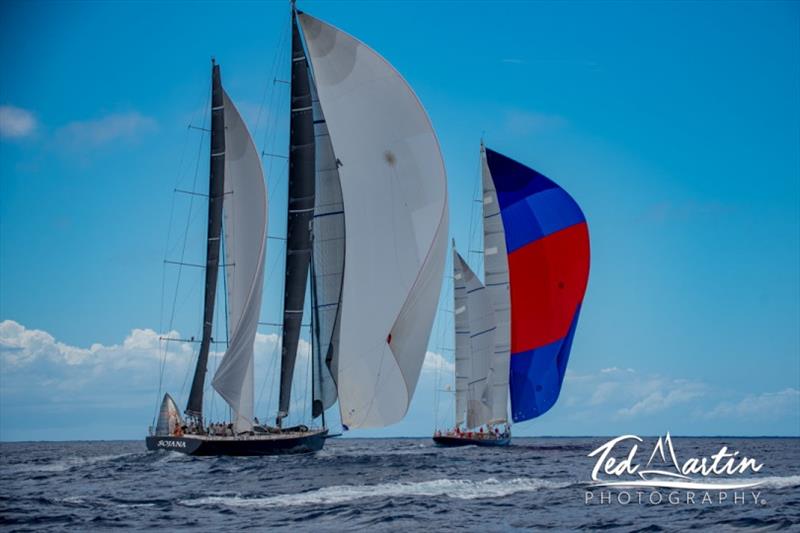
(462, 354)
(495, 265)
(395, 201)
(328, 260)
(482, 328)
(245, 226)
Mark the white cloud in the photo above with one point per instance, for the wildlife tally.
(768, 405)
(16, 122)
(436, 362)
(21, 347)
(98, 132)
(623, 393)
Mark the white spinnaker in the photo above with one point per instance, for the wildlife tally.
(245, 225)
(395, 201)
(495, 266)
(462, 354)
(482, 327)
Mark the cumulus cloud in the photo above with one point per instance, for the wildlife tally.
(436, 362)
(16, 122)
(129, 126)
(768, 405)
(623, 393)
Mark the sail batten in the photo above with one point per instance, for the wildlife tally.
(395, 217)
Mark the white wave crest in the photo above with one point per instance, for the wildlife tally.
(62, 465)
(776, 482)
(453, 488)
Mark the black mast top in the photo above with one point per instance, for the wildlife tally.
(216, 192)
(300, 215)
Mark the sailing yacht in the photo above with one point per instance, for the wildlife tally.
(367, 224)
(514, 332)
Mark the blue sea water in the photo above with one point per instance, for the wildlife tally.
(375, 484)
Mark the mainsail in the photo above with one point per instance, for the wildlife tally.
(216, 190)
(480, 332)
(495, 266)
(245, 224)
(327, 266)
(299, 216)
(462, 353)
(547, 242)
(394, 196)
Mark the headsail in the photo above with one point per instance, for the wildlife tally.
(245, 224)
(299, 217)
(481, 331)
(495, 266)
(395, 201)
(548, 261)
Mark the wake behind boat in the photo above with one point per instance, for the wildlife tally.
(351, 212)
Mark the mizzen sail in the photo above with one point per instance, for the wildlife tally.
(394, 195)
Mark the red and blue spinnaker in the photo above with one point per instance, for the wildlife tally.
(547, 242)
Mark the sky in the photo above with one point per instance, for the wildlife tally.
(676, 127)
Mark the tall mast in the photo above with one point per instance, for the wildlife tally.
(216, 191)
(300, 215)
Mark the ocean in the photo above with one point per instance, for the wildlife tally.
(375, 484)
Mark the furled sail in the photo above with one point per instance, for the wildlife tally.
(299, 217)
(394, 194)
(327, 265)
(482, 327)
(245, 225)
(216, 188)
(495, 266)
(547, 242)
(462, 353)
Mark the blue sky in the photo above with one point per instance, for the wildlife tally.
(676, 126)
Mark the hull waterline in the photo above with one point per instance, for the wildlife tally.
(446, 441)
(280, 444)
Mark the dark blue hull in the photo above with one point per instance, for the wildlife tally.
(448, 441)
(279, 444)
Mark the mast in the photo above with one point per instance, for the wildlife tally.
(216, 191)
(300, 215)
